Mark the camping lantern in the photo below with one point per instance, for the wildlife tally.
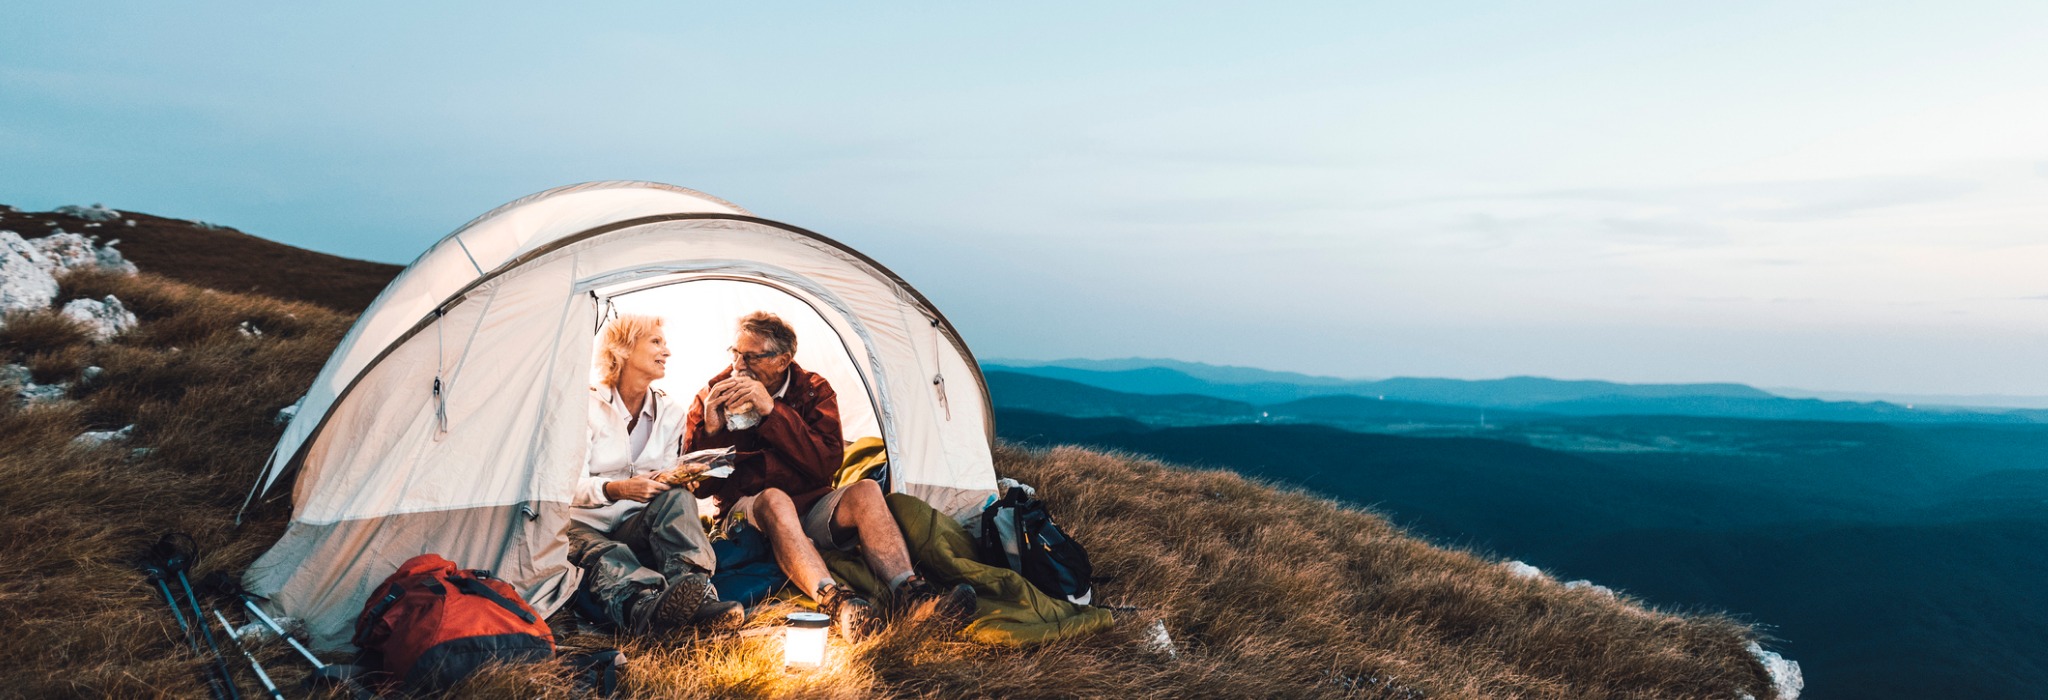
(803, 639)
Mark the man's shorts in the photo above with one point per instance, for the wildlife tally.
(817, 522)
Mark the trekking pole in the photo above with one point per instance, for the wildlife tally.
(223, 583)
(176, 559)
(260, 675)
(207, 634)
(155, 575)
(155, 571)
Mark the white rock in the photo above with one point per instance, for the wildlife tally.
(32, 393)
(286, 414)
(1524, 570)
(91, 373)
(1158, 641)
(1597, 588)
(93, 438)
(96, 212)
(111, 260)
(249, 330)
(64, 251)
(26, 390)
(70, 251)
(105, 319)
(1786, 678)
(25, 280)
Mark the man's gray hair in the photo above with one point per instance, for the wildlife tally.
(770, 328)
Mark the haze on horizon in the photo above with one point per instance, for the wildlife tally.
(1828, 195)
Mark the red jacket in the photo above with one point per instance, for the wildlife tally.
(797, 448)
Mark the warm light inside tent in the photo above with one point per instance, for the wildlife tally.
(701, 317)
(803, 640)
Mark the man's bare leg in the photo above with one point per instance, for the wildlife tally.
(799, 560)
(864, 510)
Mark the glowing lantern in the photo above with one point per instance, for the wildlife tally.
(803, 639)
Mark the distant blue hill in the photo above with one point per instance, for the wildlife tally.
(1273, 392)
(1220, 374)
(1016, 390)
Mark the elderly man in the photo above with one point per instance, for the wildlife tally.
(646, 558)
(783, 423)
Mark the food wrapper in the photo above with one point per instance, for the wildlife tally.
(719, 459)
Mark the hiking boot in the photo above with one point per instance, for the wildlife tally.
(720, 615)
(671, 607)
(851, 614)
(955, 604)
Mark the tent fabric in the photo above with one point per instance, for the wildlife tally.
(451, 418)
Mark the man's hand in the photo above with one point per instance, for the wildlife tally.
(714, 413)
(639, 488)
(741, 394)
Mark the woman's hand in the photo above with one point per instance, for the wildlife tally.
(639, 488)
(682, 470)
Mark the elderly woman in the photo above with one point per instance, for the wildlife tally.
(646, 558)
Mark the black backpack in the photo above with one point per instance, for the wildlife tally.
(1018, 534)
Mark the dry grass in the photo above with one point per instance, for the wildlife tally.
(78, 618)
(1268, 593)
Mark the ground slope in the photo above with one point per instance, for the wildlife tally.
(221, 258)
(1267, 592)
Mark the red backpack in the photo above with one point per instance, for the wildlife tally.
(432, 624)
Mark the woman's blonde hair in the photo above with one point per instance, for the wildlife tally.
(615, 343)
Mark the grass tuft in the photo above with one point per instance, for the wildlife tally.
(26, 332)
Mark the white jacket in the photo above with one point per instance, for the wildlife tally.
(610, 459)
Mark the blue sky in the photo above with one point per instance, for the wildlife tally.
(1831, 195)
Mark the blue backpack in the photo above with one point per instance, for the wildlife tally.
(1017, 533)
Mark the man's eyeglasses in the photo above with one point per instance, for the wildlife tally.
(753, 357)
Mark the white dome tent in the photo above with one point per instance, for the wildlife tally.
(451, 419)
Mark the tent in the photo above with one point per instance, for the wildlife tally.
(452, 417)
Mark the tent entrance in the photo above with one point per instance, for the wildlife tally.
(700, 316)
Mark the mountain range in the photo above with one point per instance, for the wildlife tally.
(1894, 558)
(1265, 391)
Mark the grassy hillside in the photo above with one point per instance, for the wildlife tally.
(1893, 561)
(1268, 592)
(222, 258)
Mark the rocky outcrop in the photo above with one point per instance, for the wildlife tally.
(26, 282)
(71, 251)
(29, 270)
(97, 212)
(27, 392)
(106, 318)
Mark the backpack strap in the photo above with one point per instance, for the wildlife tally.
(391, 596)
(475, 587)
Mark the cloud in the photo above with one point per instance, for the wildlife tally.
(1797, 200)
(1833, 199)
(1668, 231)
